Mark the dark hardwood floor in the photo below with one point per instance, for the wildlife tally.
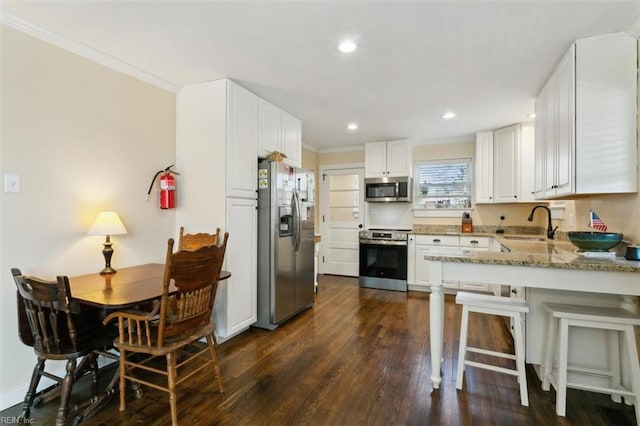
(358, 357)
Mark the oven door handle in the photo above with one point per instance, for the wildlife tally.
(383, 243)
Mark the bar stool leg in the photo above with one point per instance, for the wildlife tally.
(547, 367)
(630, 338)
(613, 355)
(561, 390)
(519, 346)
(464, 327)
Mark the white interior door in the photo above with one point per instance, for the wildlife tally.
(342, 215)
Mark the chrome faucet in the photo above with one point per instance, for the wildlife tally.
(550, 229)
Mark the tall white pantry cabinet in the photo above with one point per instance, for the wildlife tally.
(216, 155)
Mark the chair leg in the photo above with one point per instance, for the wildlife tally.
(464, 327)
(547, 367)
(211, 341)
(561, 391)
(123, 384)
(519, 348)
(613, 357)
(67, 384)
(93, 362)
(630, 339)
(171, 379)
(33, 385)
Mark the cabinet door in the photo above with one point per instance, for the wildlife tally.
(550, 135)
(241, 261)
(565, 123)
(540, 145)
(484, 167)
(292, 139)
(242, 143)
(527, 162)
(399, 158)
(269, 130)
(506, 182)
(422, 268)
(375, 159)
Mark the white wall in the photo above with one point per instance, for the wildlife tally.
(83, 138)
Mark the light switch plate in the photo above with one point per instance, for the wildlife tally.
(11, 183)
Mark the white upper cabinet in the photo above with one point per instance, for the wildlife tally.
(484, 168)
(555, 141)
(270, 128)
(242, 142)
(279, 131)
(388, 159)
(504, 165)
(292, 139)
(586, 139)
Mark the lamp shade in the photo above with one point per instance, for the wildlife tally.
(107, 223)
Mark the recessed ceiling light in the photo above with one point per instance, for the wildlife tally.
(352, 126)
(347, 46)
(532, 115)
(448, 115)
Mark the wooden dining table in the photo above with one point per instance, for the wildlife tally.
(126, 289)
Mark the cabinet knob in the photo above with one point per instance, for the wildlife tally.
(474, 242)
(515, 196)
(436, 240)
(491, 198)
(514, 291)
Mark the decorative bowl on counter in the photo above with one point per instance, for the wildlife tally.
(594, 241)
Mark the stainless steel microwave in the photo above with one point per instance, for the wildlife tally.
(388, 189)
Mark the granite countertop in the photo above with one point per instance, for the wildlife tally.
(528, 250)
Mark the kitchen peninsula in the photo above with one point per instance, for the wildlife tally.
(545, 265)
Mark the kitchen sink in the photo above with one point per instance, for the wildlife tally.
(524, 238)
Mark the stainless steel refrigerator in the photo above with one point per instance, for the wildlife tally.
(285, 242)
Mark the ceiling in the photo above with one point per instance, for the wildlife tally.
(484, 60)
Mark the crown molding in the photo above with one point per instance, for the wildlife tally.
(445, 140)
(85, 52)
(309, 147)
(341, 149)
(634, 28)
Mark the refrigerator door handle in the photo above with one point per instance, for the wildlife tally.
(299, 221)
(296, 221)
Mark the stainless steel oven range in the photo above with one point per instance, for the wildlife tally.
(383, 259)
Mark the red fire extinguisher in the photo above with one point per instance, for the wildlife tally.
(167, 188)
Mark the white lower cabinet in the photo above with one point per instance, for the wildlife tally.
(434, 245)
(236, 300)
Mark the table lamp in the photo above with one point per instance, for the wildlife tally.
(107, 223)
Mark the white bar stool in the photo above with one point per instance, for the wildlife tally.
(512, 308)
(615, 320)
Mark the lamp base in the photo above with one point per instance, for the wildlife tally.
(107, 252)
(107, 271)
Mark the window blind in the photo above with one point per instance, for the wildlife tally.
(443, 184)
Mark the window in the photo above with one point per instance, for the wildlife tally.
(443, 185)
